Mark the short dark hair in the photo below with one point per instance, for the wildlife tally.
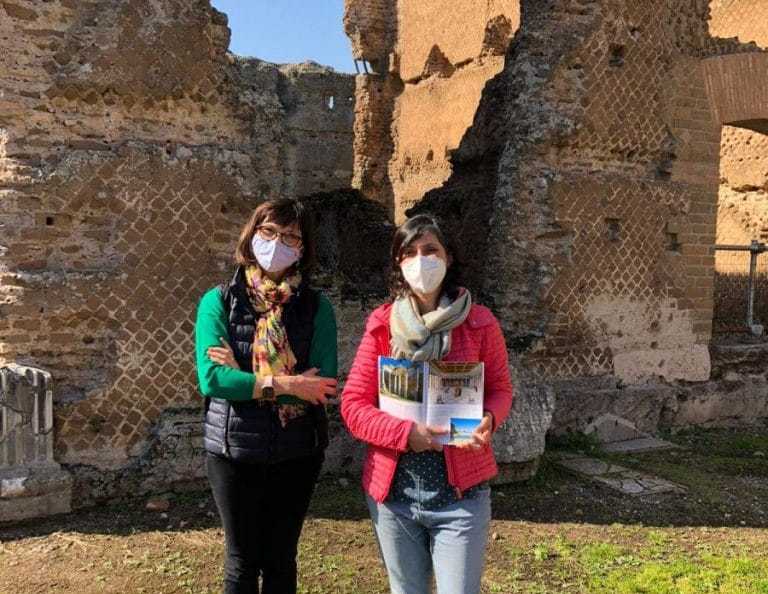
(407, 233)
(283, 212)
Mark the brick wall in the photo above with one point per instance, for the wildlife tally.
(373, 144)
(445, 68)
(743, 202)
(413, 112)
(582, 182)
(371, 26)
(132, 149)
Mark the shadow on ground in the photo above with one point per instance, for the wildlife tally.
(725, 473)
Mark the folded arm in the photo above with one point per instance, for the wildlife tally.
(216, 380)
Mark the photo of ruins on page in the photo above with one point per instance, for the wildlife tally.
(447, 394)
(455, 398)
(401, 389)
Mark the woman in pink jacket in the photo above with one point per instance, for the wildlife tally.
(430, 505)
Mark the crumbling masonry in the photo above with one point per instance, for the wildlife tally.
(587, 154)
(132, 148)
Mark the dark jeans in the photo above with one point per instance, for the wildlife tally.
(262, 508)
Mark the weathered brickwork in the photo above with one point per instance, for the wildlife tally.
(586, 154)
(373, 145)
(444, 68)
(584, 185)
(115, 329)
(429, 76)
(620, 307)
(635, 299)
(743, 201)
(318, 107)
(369, 26)
(743, 197)
(132, 149)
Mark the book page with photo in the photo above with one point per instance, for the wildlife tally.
(446, 394)
(454, 395)
(401, 389)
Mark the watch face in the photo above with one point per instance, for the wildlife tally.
(268, 392)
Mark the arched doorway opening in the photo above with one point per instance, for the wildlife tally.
(738, 90)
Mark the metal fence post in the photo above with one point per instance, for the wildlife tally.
(751, 283)
(755, 249)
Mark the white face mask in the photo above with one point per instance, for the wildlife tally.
(424, 273)
(273, 255)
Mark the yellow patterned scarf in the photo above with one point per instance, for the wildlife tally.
(272, 355)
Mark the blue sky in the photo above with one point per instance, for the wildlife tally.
(289, 31)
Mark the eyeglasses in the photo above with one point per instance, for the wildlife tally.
(289, 239)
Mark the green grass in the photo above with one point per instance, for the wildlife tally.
(623, 558)
(557, 533)
(724, 443)
(701, 575)
(651, 564)
(575, 441)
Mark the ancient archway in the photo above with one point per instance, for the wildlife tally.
(738, 89)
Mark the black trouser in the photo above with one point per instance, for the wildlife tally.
(262, 508)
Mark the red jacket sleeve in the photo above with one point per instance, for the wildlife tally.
(360, 398)
(498, 385)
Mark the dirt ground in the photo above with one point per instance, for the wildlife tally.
(555, 533)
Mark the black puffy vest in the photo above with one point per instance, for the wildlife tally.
(250, 431)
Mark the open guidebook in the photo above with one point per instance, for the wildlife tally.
(445, 394)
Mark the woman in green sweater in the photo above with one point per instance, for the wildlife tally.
(265, 345)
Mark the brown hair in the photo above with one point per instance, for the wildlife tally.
(283, 212)
(407, 233)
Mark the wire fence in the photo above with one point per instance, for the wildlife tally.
(741, 288)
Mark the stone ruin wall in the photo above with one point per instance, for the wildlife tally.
(132, 149)
(743, 196)
(443, 69)
(431, 74)
(743, 200)
(632, 197)
(585, 193)
(576, 161)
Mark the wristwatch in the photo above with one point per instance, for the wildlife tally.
(268, 388)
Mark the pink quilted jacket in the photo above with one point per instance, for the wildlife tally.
(479, 338)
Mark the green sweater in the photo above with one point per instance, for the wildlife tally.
(220, 381)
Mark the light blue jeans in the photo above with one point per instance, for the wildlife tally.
(451, 539)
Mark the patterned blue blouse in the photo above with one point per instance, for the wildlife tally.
(422, 478)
